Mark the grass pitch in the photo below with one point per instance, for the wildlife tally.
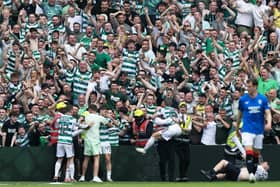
(143, 184)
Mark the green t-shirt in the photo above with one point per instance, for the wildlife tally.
(113, 98)
(86, 41)
(82, 109)
(267, 85)
(210, 47)
(94, 67)
(102, 59)
(152, 5)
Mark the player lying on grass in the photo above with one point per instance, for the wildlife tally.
(226, 170)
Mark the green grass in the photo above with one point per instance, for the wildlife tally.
(145, 184)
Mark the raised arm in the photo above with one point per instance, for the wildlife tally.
(268, 119)
(149, 22)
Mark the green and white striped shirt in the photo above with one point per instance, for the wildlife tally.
(36, 55)
(114, 136)
(104, 133)
(85, 20)
(129, 64)
(26, 29)
(7, 3)
(66, 124)
(235, 55)
(168, 112)
(151, 109)
(60, 28)
(11, 62)
(222, 71)
(80, 81)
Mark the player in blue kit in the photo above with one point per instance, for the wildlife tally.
(254, 112)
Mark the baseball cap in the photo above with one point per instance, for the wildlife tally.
(60, 105)
(182, 104)
(138, 113)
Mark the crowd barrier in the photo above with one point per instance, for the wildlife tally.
(37, 163)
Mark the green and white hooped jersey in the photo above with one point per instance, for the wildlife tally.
(11, 65)
(66, 124)
(235, 55)
(129, 64)
(114, 136)
(104, 133)
(151, 109)
(80, 81)
(168, 112)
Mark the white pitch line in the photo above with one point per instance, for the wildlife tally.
(60, 183)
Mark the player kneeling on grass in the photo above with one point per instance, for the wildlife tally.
(226, 170)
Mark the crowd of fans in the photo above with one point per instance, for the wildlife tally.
(121, 55)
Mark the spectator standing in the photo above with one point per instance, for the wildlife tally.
(9, 129)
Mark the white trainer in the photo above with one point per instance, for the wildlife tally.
(82, 179)
(96, 179)
(140, 150)
(109, 180)
(252, 178)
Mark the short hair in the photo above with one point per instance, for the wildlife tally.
(15, 75)
(13, 114)
(126, 2)
(253, 81)
(229, 59)
(124, 110)
(182, 44)
(33, 30)
(68, 108)
(21, 127)
(93, 93)
(92, 107)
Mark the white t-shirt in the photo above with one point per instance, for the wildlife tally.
(244, 13)
(209, 134)
(258, 12)
(73, 20)
(71, 49)
(94, 120)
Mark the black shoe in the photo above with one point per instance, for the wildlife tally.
(206, 174)
(55, 180)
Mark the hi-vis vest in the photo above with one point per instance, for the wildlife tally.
(54, 129)
(200, 109)
(229, 142)
(138, 130)
(187, 123)
(231, 148)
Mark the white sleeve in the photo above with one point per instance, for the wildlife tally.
(160, 121)
(239, 145)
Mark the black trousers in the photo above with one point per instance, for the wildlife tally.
(166, 152)
(183, 153)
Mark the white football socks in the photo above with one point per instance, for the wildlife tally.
(149, 143)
